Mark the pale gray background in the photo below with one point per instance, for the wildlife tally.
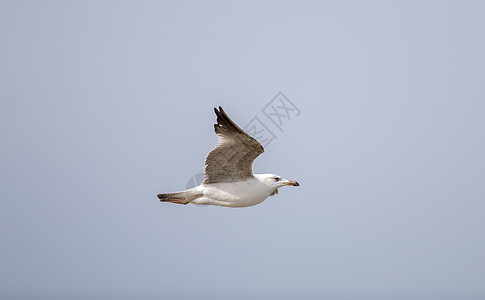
(104, 104)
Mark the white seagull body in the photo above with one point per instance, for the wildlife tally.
(229, 180)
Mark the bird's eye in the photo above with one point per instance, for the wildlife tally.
(276, 179)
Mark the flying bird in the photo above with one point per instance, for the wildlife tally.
(229, 179)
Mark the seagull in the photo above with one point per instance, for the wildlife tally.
(229, 179)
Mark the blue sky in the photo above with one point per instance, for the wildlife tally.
(106, 104)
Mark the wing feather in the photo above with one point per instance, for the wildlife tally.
(232, 159)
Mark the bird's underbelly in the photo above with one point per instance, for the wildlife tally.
(232, 195)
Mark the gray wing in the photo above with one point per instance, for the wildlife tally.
(232, 158)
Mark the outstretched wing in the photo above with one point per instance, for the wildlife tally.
(232, 158)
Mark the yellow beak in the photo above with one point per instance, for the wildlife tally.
(293, 183)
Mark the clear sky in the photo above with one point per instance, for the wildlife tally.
(104, 104)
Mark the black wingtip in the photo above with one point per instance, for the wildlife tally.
(218, 114)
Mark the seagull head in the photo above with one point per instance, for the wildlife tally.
(273, 181)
